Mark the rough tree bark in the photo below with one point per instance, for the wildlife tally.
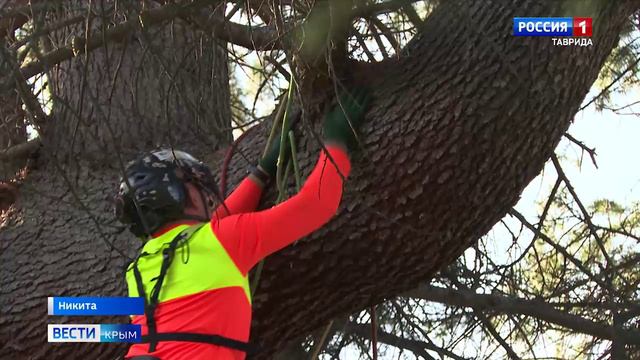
(457, 128)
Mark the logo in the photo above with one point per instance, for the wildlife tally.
(123, 333)
(582, 26)
(552, 26)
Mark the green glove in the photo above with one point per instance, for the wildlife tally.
(269, 163)
(345, 117)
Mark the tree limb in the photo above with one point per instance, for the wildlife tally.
(584, 147)
(558, 248)
(585, 213)
(533, 308)
(417, 347)
(255, 38)
(20, 151)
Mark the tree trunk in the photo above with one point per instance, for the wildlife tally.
(457, 129)
(171, 88)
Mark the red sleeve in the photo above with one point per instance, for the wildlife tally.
(250, 237)
(244, 198)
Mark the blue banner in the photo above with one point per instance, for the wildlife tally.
(89, 306)
(109, 333)
(543, 26)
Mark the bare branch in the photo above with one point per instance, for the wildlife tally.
(320, 342)
(587, 217)
(415, 346)
(53, 27)
(382, 8)
(512, 305)
(29, 100)
(378, 39)
(486, 323)
(413, 16)
(20, 151)
(254, 38)
(590, 151)
(613, 82)
(260, 8)
(387, 33)
(117, 33)
(557, 247)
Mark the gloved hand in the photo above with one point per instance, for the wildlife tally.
(269, 163)
(345, 117)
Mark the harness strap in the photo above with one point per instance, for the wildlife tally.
(151, 303)
(200, 338)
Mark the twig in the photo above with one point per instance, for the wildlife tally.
(606, 88)
(587, 217)
(505, 304)
(378, 39)
(319, 344)
(557, 247)
(417, 347)
(412, 15)
(363, 45)
(492, 330)
(590, 151)
(47, 30)
(278, 65)
(374, 333)
(387, 33)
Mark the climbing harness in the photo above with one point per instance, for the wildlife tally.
(151, 303)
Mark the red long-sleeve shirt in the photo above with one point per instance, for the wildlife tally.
(248, 236)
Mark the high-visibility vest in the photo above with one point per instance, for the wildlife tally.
(200, 263)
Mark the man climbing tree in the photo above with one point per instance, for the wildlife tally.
(464, 116)
(193, 268)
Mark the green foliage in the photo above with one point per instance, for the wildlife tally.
(620, 72)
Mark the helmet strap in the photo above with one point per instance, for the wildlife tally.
(205, 204)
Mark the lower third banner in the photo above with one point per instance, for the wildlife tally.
(106, 333)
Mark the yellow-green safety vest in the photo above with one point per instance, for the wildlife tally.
(200, 264)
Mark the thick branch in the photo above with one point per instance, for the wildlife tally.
(269, 38)
(534, 308)
(255, 38)
(20, 151)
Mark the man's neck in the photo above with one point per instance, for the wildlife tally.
(172, 225)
